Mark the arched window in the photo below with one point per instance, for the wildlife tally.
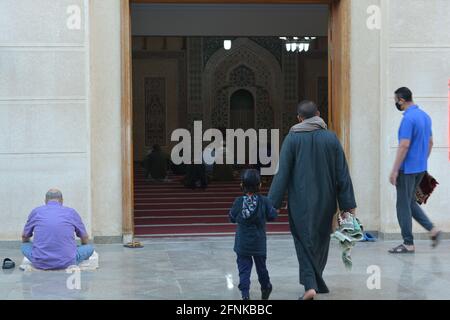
(242, 110)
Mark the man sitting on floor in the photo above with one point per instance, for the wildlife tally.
(52, 227)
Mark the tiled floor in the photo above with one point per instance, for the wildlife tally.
(204, 268)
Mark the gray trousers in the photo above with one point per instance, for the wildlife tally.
(407, 207)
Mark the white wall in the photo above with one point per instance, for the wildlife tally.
(60, 104)
(44, 136)
(411, 49)
(105, 106)
(416, 54)
(365, 115)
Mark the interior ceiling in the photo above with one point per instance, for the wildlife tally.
(229, 20)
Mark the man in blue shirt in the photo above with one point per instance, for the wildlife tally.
(415, 144)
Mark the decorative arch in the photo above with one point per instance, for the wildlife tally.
(242, 76)
(245, 66)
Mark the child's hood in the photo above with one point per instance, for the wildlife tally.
(249, 205)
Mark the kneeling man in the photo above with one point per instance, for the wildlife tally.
(52, 227)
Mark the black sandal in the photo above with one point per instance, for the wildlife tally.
(8, 264)
(401, 249)
(436, 239)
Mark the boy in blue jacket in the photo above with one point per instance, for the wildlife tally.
(251, 212)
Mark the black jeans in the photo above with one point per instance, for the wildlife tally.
(245, 264)
(408, 208)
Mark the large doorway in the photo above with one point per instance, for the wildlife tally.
(243, 107)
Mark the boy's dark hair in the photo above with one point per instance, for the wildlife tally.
(250, 180)
(307, 109)
(404, 93)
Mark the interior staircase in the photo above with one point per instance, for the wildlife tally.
(171, 210)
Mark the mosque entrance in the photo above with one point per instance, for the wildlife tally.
(227, 78)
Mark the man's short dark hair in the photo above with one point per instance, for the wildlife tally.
(53, 194)
(404, 93)
(307, 109)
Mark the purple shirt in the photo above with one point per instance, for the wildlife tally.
(53, 227)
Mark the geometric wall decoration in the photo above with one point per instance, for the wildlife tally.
(264, 116)
(247, 66)
(195, 68)
(289, 120)
(155, 111)
(290, 72)
(180, 57)
(220, 114)
(272, 44)
(242, 76)
(191, 117)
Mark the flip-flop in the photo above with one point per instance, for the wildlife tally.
(8, 264)
(401, 249)
(134, 244)
(436, 239)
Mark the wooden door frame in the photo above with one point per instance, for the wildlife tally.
(338, 80)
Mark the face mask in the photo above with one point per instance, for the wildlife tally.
(399, 106)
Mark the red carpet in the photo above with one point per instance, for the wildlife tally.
(171, 210)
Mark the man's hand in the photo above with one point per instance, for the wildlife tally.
(430, 146)
(393, 177)
(402, 151)
(85, 240)
(25, 239)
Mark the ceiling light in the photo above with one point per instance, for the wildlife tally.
(306, 46)
(227, 44)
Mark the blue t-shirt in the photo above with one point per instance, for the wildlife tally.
(415, 127)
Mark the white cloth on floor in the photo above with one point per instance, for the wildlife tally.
(86, 265)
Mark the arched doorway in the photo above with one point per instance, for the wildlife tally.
(242, 110)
